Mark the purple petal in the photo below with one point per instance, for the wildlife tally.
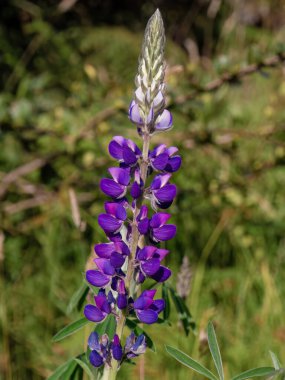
(158, 150)
(96, 278)
(166, 193)
(148, 293)
(109, 224)
(143, 302)
(162, 274)
(134, 114)
(117, 351)
(143, 213)
(103, 304)
(112, 188)
(136, 190)
(95, 359)
(143, 226)
(147, 316)
(160, 161)
(171, 150)
(104, 250)
(164, 233)
(159, 219)
(105, 266)
(158, 305)
(161, 253)
(150, 267)
(122, 248)
(129, 156)
(116, 150)
(173, 164)
(117, 260)
(116, 209)
(93, 341)
(93, 313)
(122, 301)
(164, 121)
(122, 176)
(146, 252)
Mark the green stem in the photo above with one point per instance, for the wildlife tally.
(110, 373)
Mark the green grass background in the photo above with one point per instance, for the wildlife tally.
(65, 93)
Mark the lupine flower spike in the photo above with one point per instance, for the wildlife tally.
(139, 189)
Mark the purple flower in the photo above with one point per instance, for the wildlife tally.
(115, 251)
(162, 192)
(124, 150)
(146, 308)
(163, 158)
(156, 227)
(122, 300)
(116, 187)
(135, 346)
(116, 348)
(102, 309)
(112, 222)
(149, 259)
(99, 349)
(158, 230)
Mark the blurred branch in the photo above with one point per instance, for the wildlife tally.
(20, 171)
(233, 77)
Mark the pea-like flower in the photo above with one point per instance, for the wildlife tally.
(135, 346)
(165, 159)
(149, 264)
(116, 348)
(115, 251)
(156, 227)
(146, 308)
(162, 192)
(103, 307)
(124, 150)
(112, 222)
(99, 349)
(116, 188)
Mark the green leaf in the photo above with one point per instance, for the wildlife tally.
(165, 296)
(255, 372)
(85, 367)
(275, 361)
(215, 351)
(108, 326)
(67, 375)
(183, 312)
(70, 329)
(132, 325)
(78, 298)
(189, 362)
(60, 371)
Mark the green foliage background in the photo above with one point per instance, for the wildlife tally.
(67, 79)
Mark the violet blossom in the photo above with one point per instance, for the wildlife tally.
(134, 228)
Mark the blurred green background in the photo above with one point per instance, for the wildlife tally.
(66, 72)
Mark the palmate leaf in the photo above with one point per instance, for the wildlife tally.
(255, 372)
(132, 325)
(215, 351)
(70, 329)
(189, 362)
(183, 311)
